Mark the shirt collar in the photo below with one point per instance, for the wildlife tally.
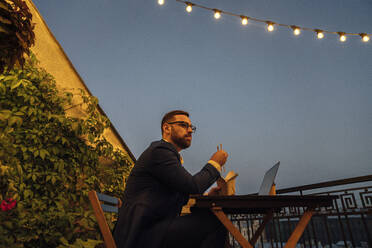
(181, 158)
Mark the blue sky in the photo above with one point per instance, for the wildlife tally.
(264, 96)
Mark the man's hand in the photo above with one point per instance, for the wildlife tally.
(220, 156)
(214, 191)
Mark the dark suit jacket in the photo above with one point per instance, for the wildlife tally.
(156, 190)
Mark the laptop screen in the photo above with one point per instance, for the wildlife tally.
(268, 180)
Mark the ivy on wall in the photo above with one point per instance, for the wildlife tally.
(50, 161)
(16, 32)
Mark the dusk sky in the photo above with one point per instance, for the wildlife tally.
(266, 96)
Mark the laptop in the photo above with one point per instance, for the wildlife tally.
(268, 180)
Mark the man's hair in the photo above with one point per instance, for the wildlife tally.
(169, 116)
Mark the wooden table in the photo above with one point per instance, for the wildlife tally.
(268, 205)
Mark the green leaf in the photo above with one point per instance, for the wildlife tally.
(2, 88)
(90, 243)
(22, 186)
(43, 152)
(55, 150)
(26, 82)
(9, 78)
(19, 113)
(15, 84)
(75, 126)
(15, 120)
(5, 114)
(64, 241)
(60, 167)
(19, 170)
(27, 193)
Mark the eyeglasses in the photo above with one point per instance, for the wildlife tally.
(185, 125)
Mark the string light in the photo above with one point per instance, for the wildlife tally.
(160, 2)
(217, 14)
(342, 36)
(270, 26)
(365, 37)
(319, 34)
(296, 30)
(244, 20)
(189, 7)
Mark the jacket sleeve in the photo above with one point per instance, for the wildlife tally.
(167, 169)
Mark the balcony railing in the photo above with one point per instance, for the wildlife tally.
(348, 223)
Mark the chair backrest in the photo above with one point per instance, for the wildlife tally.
(104, 203)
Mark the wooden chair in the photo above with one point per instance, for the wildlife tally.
(99, 203)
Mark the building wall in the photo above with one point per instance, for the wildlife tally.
(54, 60)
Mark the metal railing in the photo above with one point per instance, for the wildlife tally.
(348, 223)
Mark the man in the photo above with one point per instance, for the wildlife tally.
(159, 186)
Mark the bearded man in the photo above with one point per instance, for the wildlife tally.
(157, 188)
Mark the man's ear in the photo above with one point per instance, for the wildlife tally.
(166, 128)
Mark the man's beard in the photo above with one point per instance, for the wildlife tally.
(181, 142)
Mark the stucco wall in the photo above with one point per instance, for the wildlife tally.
(52, 57)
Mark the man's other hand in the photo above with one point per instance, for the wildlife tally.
(220, 157)
(214, 191)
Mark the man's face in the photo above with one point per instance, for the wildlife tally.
(180, 135)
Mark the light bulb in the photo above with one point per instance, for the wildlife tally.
(270, 27)
(217, 14)
(189, 8)
(342, 37)
(320, 34)
(365, 37)
(244, 20)
(160, 2)
(296, 31)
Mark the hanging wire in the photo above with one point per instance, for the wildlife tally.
(364, 36)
